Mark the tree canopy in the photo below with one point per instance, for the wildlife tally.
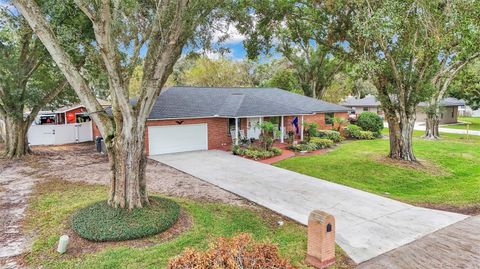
(30, 80)
(466, 85)
(310, 34)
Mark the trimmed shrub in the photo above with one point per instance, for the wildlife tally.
(331, 135)
(239, 252)
(276, 151)
(367, 135)
(101, 222)
(370, 121)
(236, 149)
(304, 147)
(256, 153)
(321, 142)
(353, 131)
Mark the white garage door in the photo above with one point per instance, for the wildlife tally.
(177, 138)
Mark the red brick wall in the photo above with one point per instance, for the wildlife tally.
(318, 118)
(96, 131)
(218, 137)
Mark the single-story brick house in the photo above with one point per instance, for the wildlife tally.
(370, 103)
(197, 118)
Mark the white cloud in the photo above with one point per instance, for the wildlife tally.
(225, 29)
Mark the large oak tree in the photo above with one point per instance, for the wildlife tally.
(29, 79)
(128, 33)
(456, 28)
(396, 44)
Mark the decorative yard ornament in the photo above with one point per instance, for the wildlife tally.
(63, 244)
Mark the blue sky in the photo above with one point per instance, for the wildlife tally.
(237, 50)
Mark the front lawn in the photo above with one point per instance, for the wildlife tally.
(55, 201)
(449, 177)
(474, 124)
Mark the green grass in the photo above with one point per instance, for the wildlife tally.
(451, 176)
(101, 222)
(55, 201)
(474, 124)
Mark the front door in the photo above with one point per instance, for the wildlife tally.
(253, 131)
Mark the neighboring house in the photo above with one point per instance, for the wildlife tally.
(191, 118)
(449, 112)
(370, 103)
(466, 111)
(69, 124)
(359, 105)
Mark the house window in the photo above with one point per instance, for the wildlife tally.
(82, 117)
(453, 113)
(365, 109)
(329, 118)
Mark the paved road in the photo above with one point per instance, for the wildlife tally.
(368, 225)
(420, 126)
(456, 246)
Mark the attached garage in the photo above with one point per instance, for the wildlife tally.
(177, 138)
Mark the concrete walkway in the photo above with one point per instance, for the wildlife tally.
(456, 246)
(368, 225)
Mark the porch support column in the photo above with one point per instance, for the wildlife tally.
(301, 130)
(236, 131)
(282, 129)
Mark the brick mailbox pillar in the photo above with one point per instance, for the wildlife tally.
(321, 239)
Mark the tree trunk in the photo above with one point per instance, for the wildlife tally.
(401, 135)
(128, 162)
(16, 141)
(431, 127)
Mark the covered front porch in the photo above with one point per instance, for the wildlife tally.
(247, 128)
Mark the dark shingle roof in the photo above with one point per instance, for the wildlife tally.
(367, 101)
(194, 102)
(448, 101)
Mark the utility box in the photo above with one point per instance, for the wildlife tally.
(321, 239)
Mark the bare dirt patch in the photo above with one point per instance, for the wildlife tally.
(80, 163)
(16, 185)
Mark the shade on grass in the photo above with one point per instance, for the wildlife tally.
(452, 175)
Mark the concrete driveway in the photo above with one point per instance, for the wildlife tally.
(368, 225)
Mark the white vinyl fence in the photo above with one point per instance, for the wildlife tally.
(60, 134)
